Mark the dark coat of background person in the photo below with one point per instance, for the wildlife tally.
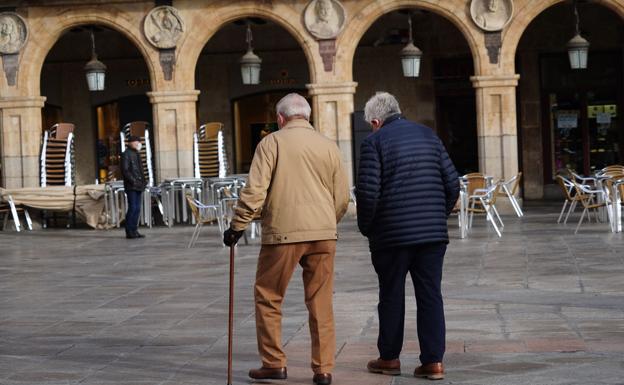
(407, 186)
(132, 170)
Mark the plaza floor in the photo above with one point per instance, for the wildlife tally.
(538, 306)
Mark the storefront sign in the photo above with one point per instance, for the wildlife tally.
(133, 83)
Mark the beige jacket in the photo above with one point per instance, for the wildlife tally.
(298, 181)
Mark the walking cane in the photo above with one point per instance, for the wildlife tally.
(231, 316)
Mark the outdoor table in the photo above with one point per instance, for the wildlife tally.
(173, 192)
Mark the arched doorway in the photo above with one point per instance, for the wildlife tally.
(569, 118)
(247, 111)
(442, 97)
(97, 115)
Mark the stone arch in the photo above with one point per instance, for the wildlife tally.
(44, 36)
(287, 18)
(526, 14)
(358, 24)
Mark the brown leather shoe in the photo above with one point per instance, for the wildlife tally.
(268, 373)
(322, 379)
(388, 367)
(432, 371)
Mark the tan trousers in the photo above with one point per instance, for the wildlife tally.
(276, 265)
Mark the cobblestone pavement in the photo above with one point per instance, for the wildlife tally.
(538, 306)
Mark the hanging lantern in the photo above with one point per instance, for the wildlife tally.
(411, 55)
(95, 70)
(250, 63)
(578, 47)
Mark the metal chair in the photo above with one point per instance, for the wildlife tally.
(567, 187)
(591, 199)
(11, 211)
(201, 215)
(486, 199)
(510, 188)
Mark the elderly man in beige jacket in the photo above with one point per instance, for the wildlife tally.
(298, 182)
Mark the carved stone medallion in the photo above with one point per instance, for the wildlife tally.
(491, 15)
(324, 19)
(13, 33)
(163, 27)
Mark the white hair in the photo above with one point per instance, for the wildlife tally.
(381, 106)
(293, 105)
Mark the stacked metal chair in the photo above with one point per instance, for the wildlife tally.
(209, 156)
(58, 156)
(140, 129)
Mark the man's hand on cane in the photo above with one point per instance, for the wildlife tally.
(231, 237)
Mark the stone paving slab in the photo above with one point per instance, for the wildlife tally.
(537, 306)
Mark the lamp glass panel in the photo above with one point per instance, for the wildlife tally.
(583, 53)
(250, 73)
(101, 76)
(95, 80)
(411, 66)
(578, 58)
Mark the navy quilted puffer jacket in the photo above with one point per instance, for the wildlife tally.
(407, 186)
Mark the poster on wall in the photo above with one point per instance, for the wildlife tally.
(566, 122)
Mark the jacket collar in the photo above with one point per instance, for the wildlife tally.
(391, 119)
(298, 123)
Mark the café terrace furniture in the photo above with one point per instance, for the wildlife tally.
(570, 197)
(614, 191)
(11, 211)
(209, 155)
(509, 189)
(591, 199)
(468, 184)
(204, 214)
(57, 159)
(480, 198)
(484, 201)
(57, 163)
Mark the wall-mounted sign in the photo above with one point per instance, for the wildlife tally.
(133, 83)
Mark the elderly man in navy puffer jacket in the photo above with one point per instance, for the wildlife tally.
(406, 188)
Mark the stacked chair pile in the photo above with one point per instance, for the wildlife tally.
(209, 151)
(57, 156)
(140, 129)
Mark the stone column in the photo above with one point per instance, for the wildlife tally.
(497, 126)
(175, 121)
(332, 106)
(20, 130)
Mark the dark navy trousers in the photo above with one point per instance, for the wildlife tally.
(424, 264)
(134, 210)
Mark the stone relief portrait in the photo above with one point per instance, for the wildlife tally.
(13, 33)
(491, 15)
(163, 27)
(324, 19)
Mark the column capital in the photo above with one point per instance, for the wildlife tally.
(490, 81)
(331, 88)
(157, 97)
(22, 102)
